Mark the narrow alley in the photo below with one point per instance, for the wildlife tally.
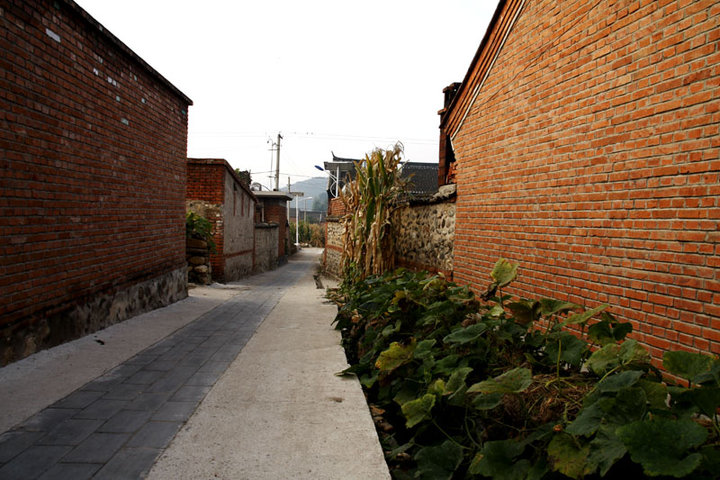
(245, 390)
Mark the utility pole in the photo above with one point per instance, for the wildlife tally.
(277, 164)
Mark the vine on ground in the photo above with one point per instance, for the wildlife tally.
(502, 390)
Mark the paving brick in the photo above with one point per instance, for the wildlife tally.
(13, 443)
(126, 421)
(190, 393)
(70, 432)
(71, 471)
(129, 464)
(173, 380)
(47, 419)
(155, 434)
(97, 448)
(144, 377)
(33, 462)
(175, 411)
(102, 409)
(78, 399)
(161, 365)
(204, 378)
(123, 391)
(214, 367)
(148, 401)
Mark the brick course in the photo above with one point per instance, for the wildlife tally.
(92, 168)
(591, 156)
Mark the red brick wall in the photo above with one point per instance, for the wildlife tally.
(591, 157)
(230, 205)
(92, 164)
(206, 181)
(336, 207)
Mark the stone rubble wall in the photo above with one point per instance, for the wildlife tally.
(97, 312)
(199, 269)
(333, 246)
(424, 236)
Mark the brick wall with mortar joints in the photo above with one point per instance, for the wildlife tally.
(592, 158)
(92, 150)
(206, 182)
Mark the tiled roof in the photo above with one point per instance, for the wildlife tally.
(423, 177)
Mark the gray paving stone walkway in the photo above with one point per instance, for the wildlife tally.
(115, 426)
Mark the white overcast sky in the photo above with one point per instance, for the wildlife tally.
(330, 75)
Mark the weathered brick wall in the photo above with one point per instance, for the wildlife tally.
(277, 212)
(216, 192)
(591, 157)
(92, 174)
(266, 242)
(336, 208)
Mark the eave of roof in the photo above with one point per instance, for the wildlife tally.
(94, 24)
(495, 35)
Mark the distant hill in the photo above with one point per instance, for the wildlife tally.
(316, 188)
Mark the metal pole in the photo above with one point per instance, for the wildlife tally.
(337, 182)
(297, 223)
(277, 164)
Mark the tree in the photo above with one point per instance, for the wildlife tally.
(244, 176)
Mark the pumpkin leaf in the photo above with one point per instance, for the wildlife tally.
(618, 381)
(417, 410)
(504, 272)
(668, 453)
(438, 462)
(487, 401)
(395, 356)
(525, 311)
(687, 365)
(512, 381)
(550, 306)
(457, 380)
(465, 335)
(498, 460)
(606, 449)
(583, 317)
(568, 458)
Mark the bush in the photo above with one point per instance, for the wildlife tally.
(199, 227)
(503, 390)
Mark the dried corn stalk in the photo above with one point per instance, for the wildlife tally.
(369, 201)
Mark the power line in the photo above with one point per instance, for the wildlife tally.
(320, 136)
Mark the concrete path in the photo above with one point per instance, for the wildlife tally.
(276, 410)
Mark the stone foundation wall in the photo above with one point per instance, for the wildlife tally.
(424, 236)
(84, 317)
(266, 242)
(199, 269)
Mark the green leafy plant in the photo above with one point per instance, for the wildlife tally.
(504, 390)
(199, 227)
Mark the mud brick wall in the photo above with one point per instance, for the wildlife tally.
(92, 177)
(591, 157)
